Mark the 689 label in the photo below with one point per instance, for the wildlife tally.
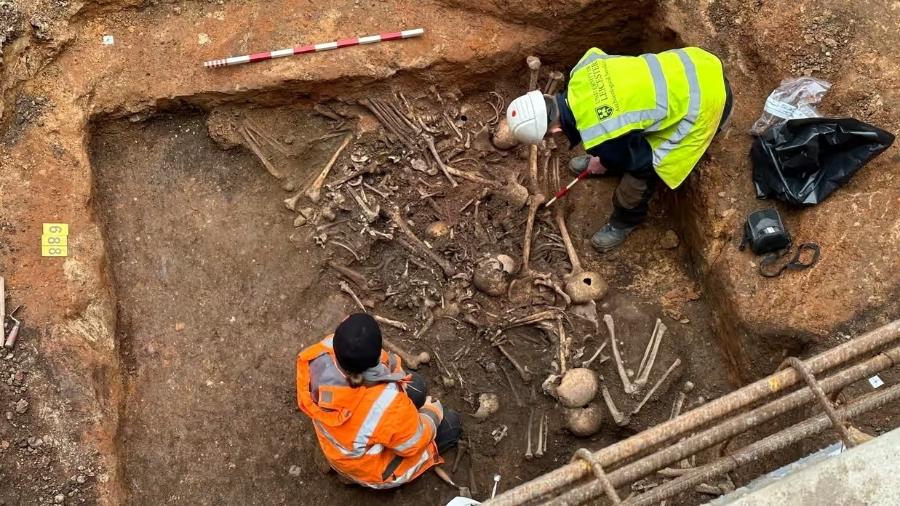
(55, 240)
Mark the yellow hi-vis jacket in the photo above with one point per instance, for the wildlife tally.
(676, 97)
(372, 433)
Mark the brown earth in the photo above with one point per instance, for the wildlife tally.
(157, 358)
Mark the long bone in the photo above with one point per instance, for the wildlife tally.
(644, 374)
(416, 245)
(629, 387)
(581, 285)
(314, 191)
(646, 398)
(621, 419)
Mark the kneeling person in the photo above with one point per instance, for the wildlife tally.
(644, 118)
(374, 422)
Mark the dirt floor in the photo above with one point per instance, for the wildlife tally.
(230, 291)
(156, 362)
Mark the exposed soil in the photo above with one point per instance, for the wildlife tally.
(156, 362)
(229, 291)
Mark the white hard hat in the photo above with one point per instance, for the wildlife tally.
(527, 116)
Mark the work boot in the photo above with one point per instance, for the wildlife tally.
(609, 237)
(581, 162)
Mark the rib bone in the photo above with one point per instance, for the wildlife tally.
(429, 140)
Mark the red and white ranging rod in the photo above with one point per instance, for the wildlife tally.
(314, 48)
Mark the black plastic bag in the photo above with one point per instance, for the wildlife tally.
(803, 161)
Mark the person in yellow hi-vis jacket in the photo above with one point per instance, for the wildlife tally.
(645, 118)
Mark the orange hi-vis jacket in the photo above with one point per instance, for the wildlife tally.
(371, 433)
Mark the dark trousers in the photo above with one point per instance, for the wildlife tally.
(450, 430)
(631, 200)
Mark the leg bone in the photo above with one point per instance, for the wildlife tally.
(621, 419)
(629, 387)
(646, 398)
(315, 189)
(644, 375)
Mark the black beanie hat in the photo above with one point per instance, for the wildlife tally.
(357, 343)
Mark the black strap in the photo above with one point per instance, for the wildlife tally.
(391, 467)
(794, 264)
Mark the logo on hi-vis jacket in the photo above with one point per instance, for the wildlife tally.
(603, 112)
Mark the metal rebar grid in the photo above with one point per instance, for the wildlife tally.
(729, 428)
(564, 477)
(764, 447)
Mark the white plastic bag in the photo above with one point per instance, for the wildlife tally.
(794, 98)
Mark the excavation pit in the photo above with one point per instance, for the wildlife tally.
(158, 357)
(217, 291)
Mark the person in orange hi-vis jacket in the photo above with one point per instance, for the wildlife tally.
(374, 422)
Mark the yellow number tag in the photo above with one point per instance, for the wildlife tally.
(54, 240)
(56, 229)
(54, 251)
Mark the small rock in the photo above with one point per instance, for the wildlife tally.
(41, 28)
(669, 240)
(80, 479)
(288, 185)
(59, 498)
(179, 326)
(21, 406)
(294, 471)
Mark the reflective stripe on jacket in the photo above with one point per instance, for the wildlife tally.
(372, 433)
(675, 97)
